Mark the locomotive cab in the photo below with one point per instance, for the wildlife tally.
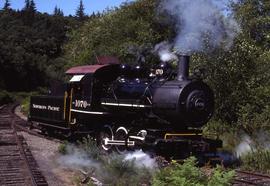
(79, 103)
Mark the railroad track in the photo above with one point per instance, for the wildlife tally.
(22, 125)
(251, 178)
(18, 167)
(17, 164)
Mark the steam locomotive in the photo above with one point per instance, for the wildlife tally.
(160, 110)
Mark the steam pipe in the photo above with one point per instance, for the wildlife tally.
(183, 67)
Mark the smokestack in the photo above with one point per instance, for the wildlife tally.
(183, 67)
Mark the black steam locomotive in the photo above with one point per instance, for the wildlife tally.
(125, 108)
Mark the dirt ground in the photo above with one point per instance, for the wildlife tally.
(46, 154)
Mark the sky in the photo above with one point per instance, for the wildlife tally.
(68, 6)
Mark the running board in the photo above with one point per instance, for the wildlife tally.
(118, 142)
(52, 126)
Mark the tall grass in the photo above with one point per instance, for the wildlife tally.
(257, 160)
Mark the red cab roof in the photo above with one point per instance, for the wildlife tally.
(87, 69)
(90, 69)
(103, 60)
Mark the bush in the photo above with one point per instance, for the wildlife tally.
(188, 174)
(115, 169)
(62, 148)
(90, 147)
(119, 171)
(257, 160)
(5, 97)
(219, 177)
(24, 98)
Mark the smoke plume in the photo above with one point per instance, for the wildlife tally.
(77, 159)
(244, 146)
(259, 140)
(106, 168)
(200, 23)
(141, 159)
(163, 49)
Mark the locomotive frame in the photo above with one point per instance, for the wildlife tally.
(127, 113)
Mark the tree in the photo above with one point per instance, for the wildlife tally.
(32, 6)
(7, 5)
(240, 76)
(57, 11)
(80, 12)
(27, 5)
(30, 48)
(121, 32)
(255, 19)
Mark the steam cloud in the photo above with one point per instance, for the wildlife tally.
(141, 159)
(199, 22)
(261, 139)
(244, 146)
(76, 159)
(163, 49)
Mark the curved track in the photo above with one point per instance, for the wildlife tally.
(251, 178)
(17, 165)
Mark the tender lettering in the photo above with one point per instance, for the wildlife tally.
(53, 108)
(44, 107)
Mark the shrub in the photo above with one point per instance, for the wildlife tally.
(257, 160)
(25, 104)
(124, 172)
(62, 148)
(188, 174)
(115, 169)
(219, 177)
(5, 97)
(90, 147)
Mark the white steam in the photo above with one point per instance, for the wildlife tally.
(260, 139)
(244, 146)
(199, 22)
(141, 159)
(163, 49)
(76, 159)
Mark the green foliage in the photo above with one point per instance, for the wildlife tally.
(125, 32)
(177, 174)
(30, 47)
(220, 177)
(240, 76)
(7, 5)
(188, 173)
(254, 18)
(5, 97)
(257, 160)
(114, 170)
(62, 148)
(90, 147)
(80, 12)
(25, 105)
(123, 172)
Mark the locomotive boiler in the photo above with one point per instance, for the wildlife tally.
(160, 110)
